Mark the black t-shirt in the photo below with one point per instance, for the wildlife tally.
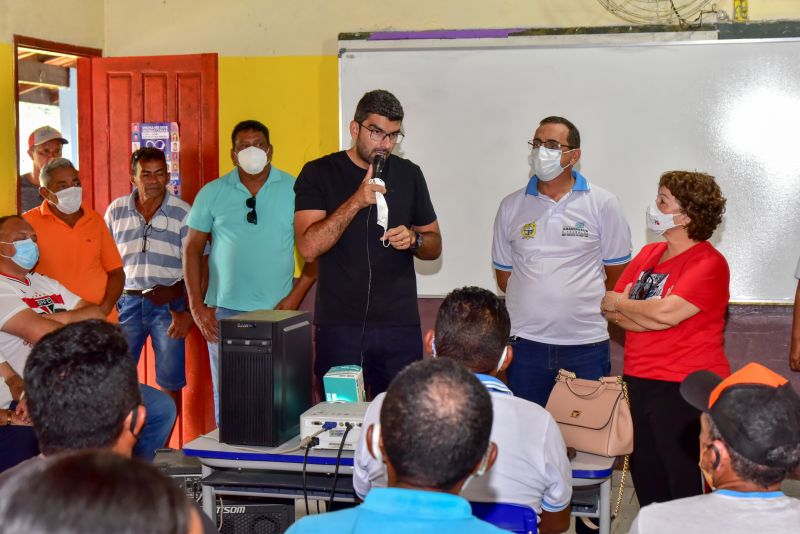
(344, 271)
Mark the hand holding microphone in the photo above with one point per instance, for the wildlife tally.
(366, 193)
(378, 166)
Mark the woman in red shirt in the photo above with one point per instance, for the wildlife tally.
(671, 300)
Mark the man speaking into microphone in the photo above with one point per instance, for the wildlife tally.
(365, 220)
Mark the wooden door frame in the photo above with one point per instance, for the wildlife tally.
(23, 41)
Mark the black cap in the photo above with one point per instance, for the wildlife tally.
(755, 410)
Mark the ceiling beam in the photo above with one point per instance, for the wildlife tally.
(39, 95)
(42, 74)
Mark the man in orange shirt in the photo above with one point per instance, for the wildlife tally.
(76, 247)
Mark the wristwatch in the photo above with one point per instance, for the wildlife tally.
(418, 243)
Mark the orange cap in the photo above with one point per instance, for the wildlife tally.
(752, 373)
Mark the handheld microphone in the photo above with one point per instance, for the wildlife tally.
(378, 166)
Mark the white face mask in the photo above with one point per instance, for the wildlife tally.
(383, 208)
(546, 163)
(69, 200)
(659, 222)
(252, 159)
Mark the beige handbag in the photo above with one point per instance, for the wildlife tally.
(594, 415)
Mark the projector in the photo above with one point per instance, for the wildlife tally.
(332, 417)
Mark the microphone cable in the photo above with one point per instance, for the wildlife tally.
(369, 293)
(380, 172)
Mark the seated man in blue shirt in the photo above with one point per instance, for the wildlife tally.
(433, 435)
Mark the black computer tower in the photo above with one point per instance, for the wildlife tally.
(264, 376)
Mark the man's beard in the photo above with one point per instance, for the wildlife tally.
(367, 155)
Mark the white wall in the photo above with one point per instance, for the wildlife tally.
(311, 27)
(76, 22)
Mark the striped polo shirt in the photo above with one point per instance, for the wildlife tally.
(152, 253)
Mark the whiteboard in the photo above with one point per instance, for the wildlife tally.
(729, 108)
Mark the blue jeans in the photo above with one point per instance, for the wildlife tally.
(213, 357)
(157, 423)
(17, 443)
(140, 318)
(533, 370)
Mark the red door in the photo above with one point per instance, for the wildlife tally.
(113, 93)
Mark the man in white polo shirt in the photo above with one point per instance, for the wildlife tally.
(558, 244)
(749, 444)
(532, 468)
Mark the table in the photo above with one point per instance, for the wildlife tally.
(267, 472)
(272, 472)
(592, 471)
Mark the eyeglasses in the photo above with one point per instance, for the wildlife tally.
(148, 229)
(550, 144)
(376, 134)
(158, 224)
(252, 216)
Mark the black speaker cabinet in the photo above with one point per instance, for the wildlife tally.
(185, 471)
(254, 517)
(265, 376)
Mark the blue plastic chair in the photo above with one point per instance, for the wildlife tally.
(512, 517)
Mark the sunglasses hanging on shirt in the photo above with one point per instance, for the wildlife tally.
(252, 216)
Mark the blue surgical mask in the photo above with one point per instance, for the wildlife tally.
(27, 253)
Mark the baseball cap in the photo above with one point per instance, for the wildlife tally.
(755, 410)
(44, 134)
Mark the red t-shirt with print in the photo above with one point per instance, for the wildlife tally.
(699, 275)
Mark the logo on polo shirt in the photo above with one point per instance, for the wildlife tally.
(46, 303)
(529, 230)
(577, 230)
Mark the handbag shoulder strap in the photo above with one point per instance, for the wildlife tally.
(565, 376)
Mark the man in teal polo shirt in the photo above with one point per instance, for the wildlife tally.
(249, 214)
(434, 431)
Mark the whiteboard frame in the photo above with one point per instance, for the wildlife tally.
(666, 39)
